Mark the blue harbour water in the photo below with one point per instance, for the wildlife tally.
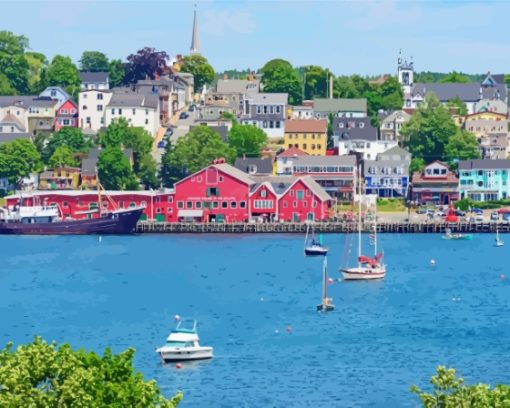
(246, 291)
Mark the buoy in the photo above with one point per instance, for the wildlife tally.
(178, 365)
(501, 276)
(432, 262)
(177, 318)
(289, 329)
(330, 281)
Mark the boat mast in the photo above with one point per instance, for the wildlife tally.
(98, 186)
(359, 215)
(324, 279)
(306, 236)
(375, 227)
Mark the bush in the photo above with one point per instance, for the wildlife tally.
(467, 203)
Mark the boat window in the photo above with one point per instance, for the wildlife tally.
(65, 204)
(176, 343)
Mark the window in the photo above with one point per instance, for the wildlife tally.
(212, 192)
(134, 111)
(220, 179)
(265, 108)
(341, 125)
(87, 120)
(294, 204)
(100, 96)
(120, 111)
(63, 111)
(99, 108)
(84, 96)
(53, 93)
(233, 204)
(305, 146)
(169, 210)
(158, 210)
(313, 135)
(180, 204)
(113, 111)
(291, 193)
(308, 194)
(277, 124)
(285, 204)
(84, 107)
(189, 204)
(318, 146)
(65, 122)
(278, 110)
(242, 204)
(314, 204)
(146, 121)
(300, 194)
(215, 204)
(199, 179)
(361, 125)
(264, 124)
(65, 204)
(263, 193)
(305, 204)
(271, 124)
(198, 204)
(146, 111)
(170, 199)
(224, 204)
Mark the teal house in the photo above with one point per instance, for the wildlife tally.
(484, 180)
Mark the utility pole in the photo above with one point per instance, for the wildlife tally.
(304, 84)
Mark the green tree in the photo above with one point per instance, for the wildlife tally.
(63, 156)
(70, 137)
(116, 72)
(5, 86)
(247, 140)
(343, 87)
(278, 75)
(62, 72)
(507, 79)
(459, 105)
(461, 146)
(148, 172)
(455, 77)
(428, 131)
(316, 82)
(37, 64)
(114, 170)
(417, 164)
(18, 159)
(93, 61)
(330, 130)
(13, 63)
(203, 72)
(193, 152)
(48, 375)
(449, 391)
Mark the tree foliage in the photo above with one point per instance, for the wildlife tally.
(114, 169)
(316, 82)
(203, 72)
(455, 77)
(70, 137)
(247, 140)
(428, 131)
(62, 72)
(146, 63)
(5, 86)
(37, 64)
(461, 146)
(148, 172)
(278, 75)
(434, 77)
(47, 375)
(13, 64)
(116, 72)
(93, 61)
(459, 105)
(449, 391)
(18, 159)
(193, 152)
(63, 156)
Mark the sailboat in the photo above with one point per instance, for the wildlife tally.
(326, 304)
(314, 247)
(499, 242)
(368, 267)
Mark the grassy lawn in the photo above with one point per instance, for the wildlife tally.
(383, 205)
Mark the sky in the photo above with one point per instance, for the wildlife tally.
(357, 36)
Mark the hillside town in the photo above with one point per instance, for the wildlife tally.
(248, 149)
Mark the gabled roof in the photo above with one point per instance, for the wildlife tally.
(292, 152)
(395, 114)
(13, 120)
(484, 164)
(134, 100)
(9, 137)
(262, 165)
(89, 164)
(340, 105)
(306, 126)
(94, 77)
(26, 101)
(470, 92)
(237, 86)
(236, 173)
(346, 160)
(281, 184)
(354, 129)
(268, 98)
(58, 89)
(394, 151)
(315, 187)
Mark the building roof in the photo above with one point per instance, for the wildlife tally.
(354, 129)
(398, 114)
(484, 164)
(27, 101)
(346, 160)
(238, 86)
(94, 77)
(280, 185)
(232, 171)
(9, 137)
(306, 126)
(404, 164)
(418, 178)
(58, 89)
(315, 187)
(134, 100)
(269, 98)
(470, 92)
(394, 151)
(260, 165)
(340, 105)
(292, 152)
(13, 120)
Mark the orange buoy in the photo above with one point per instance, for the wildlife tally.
(177, 318)
(178, 365)
(330, 281)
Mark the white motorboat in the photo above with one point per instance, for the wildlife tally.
(499, 242)
(183, 344)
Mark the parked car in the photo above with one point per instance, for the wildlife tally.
(183, 115)
(421, 210)
(494, 216)
(460, 213)
(169, 132)
(479, 218)
(506, 216)
(161, 144)
(191, 108)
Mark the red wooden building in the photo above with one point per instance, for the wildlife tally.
(66, 115)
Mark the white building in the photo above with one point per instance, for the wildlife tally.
(92, 107)
(267, 111)
(94, 80)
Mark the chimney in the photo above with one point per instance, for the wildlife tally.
(330, 86)
(225, 77)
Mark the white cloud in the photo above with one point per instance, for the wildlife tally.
(226, 22)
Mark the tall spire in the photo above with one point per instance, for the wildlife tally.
(195, 38)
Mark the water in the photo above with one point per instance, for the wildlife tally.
(245, 292)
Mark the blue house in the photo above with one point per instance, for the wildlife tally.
(56, 93)
(484, 180)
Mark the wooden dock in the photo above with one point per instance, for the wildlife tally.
(321, 227)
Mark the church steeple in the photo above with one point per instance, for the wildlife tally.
(195, 38)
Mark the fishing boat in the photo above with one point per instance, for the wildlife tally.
(326, 305)
(48, 220)
(499, 242)
(368, 268)
(314, 247)
(449, 235)
(183, 344)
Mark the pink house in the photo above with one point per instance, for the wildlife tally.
(66, 115)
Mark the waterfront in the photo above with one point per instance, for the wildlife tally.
(246, 290)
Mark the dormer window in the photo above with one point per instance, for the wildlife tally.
(361, 125)
(252, 169)
(341, 125)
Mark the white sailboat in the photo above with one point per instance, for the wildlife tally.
(315, 247)
(326, 304)
(368, 267)
(499, 242)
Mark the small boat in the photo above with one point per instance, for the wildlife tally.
(499, 242)
(326, 305)
(182, 344)
(314, 247)
(457, 236)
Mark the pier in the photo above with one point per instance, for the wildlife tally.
(321, 227)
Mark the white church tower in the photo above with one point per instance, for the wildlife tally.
(405, 74)
(195, 38)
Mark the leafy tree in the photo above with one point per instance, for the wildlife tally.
(417, 164)
(47, 375)
(428, 131)
(459, 105)
(62, 72)
(203, 72)
(94, 61)
(5, 86)
(450, 392)
(316, 82)
(13, 64)
(70, 137)
(247, 140)
(507, 79)
(343, 87)
(63, 156)
(116, 72)
(193, 152)
(330, 130)
(148, 172)
(461, 146)
(115, 171)
(455, 77)
(147, 62)
(37, 63)
(278, 75)
(18, 159)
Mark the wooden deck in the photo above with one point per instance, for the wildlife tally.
(323, 227)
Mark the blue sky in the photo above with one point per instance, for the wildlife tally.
(347, 36)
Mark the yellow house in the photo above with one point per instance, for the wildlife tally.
(308, 135)
(61, 178)
(486, 116)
